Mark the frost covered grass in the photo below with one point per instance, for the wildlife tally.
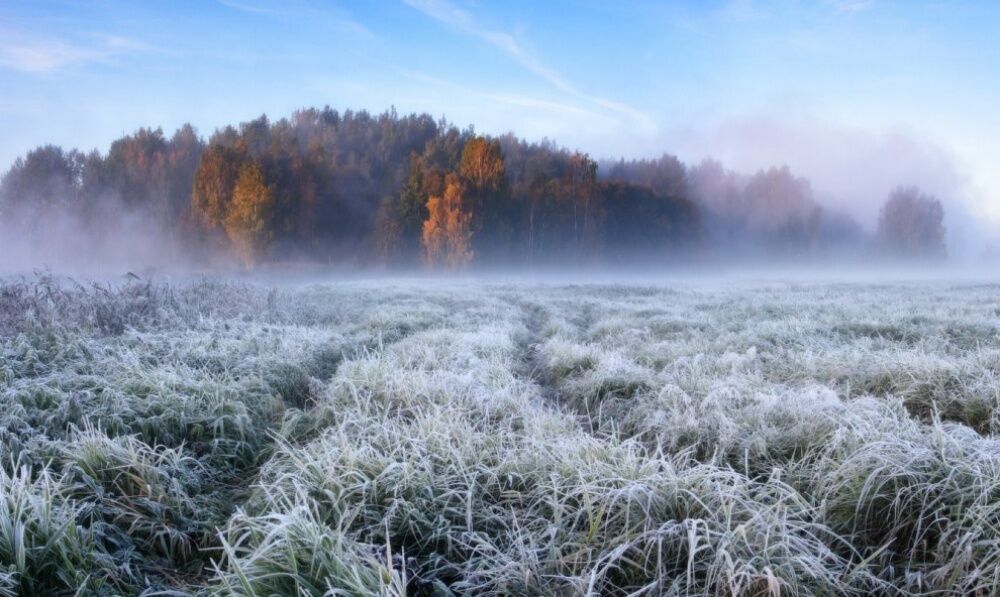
(449, 438)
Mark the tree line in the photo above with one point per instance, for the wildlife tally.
(358, 189)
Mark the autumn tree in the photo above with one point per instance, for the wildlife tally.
(447, 231)
(482, 171)
(482, 164)
(911, 223)
(214, 182)
(248, 222)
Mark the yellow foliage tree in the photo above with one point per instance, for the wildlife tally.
(214, 181)
(447, 231)
(482, 164)
(248, 221)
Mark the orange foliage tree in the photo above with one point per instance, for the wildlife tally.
(249, 221)
(447, 231)
(214, 181)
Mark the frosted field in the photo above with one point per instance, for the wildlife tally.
(436, 438)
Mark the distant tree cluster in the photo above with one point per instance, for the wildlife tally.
(912, 223)
(144, 170)
(355, 188)
(771, 212)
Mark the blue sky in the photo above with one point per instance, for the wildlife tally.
(858, 95)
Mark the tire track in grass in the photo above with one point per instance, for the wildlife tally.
(535, 318)
(155, 418)
(298, 393)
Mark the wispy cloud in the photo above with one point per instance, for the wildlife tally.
(34, 54)
(37, 56)
(327, 14)
(251, 6)
(525, 101)
(511, 99)
(850, 5)
(463, 21)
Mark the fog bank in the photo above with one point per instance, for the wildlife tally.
(849, 168)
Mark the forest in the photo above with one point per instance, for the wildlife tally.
(357, 189)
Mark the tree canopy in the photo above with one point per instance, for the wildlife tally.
(912, 223)
(356, 188)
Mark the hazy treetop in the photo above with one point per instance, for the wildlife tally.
(906, 89)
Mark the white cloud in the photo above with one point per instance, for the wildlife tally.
(43, 55)
(850, 5)
(327, 14)
(251, 6)
(512, 99)
(33, 54)
(461, 20)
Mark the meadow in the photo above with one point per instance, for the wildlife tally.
(432, 437)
